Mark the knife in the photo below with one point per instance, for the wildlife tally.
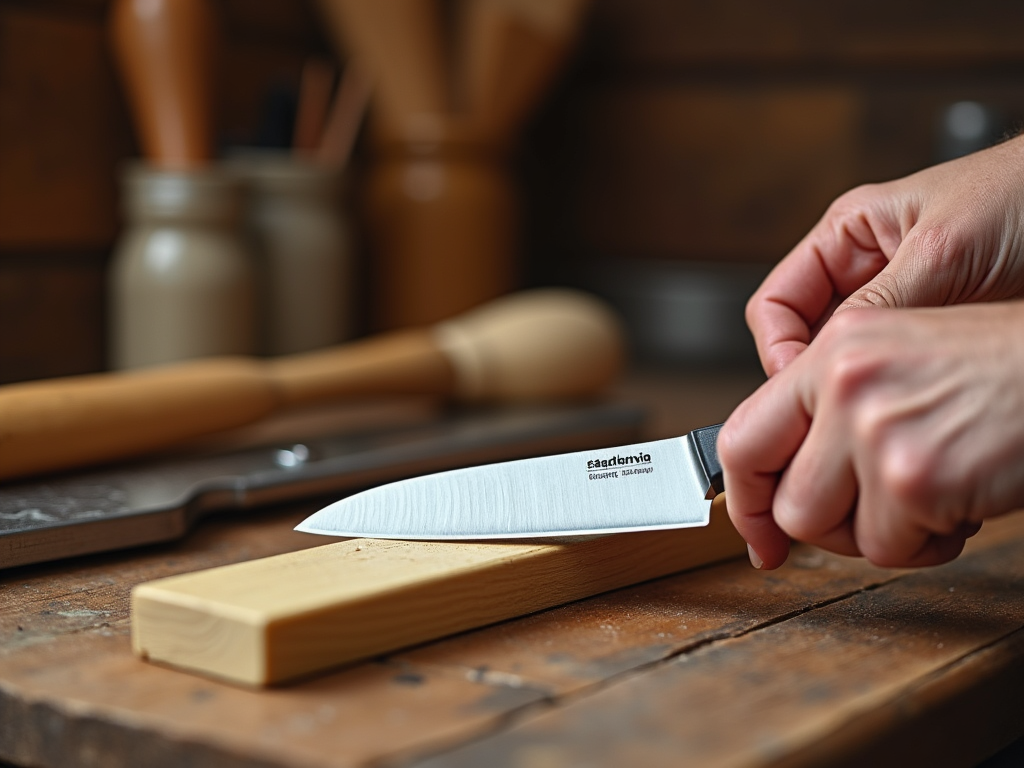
(645, 486)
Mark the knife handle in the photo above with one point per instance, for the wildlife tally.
(705, 445)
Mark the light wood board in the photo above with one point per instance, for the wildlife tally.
(276, 619)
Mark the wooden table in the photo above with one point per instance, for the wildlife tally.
(828, 661)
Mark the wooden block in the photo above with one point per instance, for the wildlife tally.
(272, 620)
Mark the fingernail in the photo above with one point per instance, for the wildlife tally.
(755, 561)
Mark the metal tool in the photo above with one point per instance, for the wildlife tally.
(645, 486)
(142, 503)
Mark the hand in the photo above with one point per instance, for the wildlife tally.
(892, 436)
(947, 235)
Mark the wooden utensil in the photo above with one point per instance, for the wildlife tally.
(345, 117)
(547, 344)
(400, 44)
(271, 620)
(509, 53)
(315, 88)
(165, 51)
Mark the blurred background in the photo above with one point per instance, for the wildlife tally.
(667, 154)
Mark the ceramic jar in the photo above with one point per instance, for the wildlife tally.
(181, 280)
(302, 237)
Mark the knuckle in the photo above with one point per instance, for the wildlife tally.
(847, 327)
(752, 308)
(853, 201)
(793, 520)
(906, 474)
(879, 552)
(935, 248)
(883, 291)
(850, 377)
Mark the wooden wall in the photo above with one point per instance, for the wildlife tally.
(684, 131)
(721, 131)
(64, 134)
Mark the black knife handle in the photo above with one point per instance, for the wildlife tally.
(705, 444)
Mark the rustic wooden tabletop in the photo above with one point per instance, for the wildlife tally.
(827, 661)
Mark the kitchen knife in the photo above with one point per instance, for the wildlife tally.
(641, 487)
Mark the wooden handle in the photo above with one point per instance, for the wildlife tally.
(399, 44)
(402, 362)
(535, 345)
(68, 422)
(510, 51)
(540, 344)
(165, 53)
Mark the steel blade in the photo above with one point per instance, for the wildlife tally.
(652, 485)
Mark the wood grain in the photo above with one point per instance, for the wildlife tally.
(70, 664)
(70, 686)
(717, 173)
(51, 305)
(58, 187)
(852, 682)
(273, 620)
(646, 34)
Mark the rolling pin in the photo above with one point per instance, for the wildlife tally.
(165, 51)
(535, 345)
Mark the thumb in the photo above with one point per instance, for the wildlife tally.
(910, 279)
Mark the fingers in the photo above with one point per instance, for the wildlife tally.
(786, 306)
(754, 446)
(847, 248)
(816, 497)
(918, 275)
(915, 548)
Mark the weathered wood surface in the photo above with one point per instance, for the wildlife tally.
(722, 666)
(828, 661)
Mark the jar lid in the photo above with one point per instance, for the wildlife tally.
(283, 172)
(207, 195)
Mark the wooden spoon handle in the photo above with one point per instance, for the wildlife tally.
(165, 52)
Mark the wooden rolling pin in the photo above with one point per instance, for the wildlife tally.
(545, 344)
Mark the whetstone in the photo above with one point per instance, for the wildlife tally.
(272, 620)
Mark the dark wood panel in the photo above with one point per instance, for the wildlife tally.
(691, 171)
(64, 127)
(696, 172)
(51, 315)
(63, 131)
(673, 33)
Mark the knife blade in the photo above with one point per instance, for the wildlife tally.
(653, 485)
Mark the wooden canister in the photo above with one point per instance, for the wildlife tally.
(442, 214)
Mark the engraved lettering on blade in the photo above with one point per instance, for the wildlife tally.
(547, 496)
(633, 466)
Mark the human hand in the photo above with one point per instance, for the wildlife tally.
(892, 436)
(950, 234)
